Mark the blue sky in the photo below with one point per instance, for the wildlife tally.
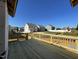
(55, 12)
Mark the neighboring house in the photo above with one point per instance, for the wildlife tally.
(68, 29)
(15, 29)
(41, 28)
(50, 27)
(62, 30)
(12, 28)
(29, 27)
(21, 29)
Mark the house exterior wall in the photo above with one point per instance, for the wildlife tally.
(3, 28)
(48, 27)
(26, 29)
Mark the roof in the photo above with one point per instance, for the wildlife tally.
(12, 4)
(73, 2)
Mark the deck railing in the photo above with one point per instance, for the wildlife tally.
(59, 40)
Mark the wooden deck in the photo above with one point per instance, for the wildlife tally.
(34, 49)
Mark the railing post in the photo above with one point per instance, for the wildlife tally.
(50, 39)
(66, 42)
(39, 36)
(26, 36)
(76, 41)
